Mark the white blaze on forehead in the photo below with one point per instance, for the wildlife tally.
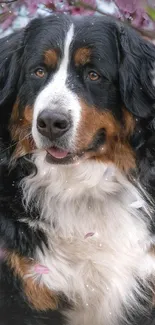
(56, 95)
(61, 75)
(55, 87)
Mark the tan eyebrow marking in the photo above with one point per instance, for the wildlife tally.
(51, 58)
(82, 56)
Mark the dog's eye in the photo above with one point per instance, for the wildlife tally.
(40, 72)
(93, 75)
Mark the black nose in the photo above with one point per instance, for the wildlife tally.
(53, 124)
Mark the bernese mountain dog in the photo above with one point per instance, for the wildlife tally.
(77, 174)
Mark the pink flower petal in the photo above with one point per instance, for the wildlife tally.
(128, 5)
(41, 269)
(89, 234)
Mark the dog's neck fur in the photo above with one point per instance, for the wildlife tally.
(97, 225)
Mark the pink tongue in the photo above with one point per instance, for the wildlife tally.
(57, 153)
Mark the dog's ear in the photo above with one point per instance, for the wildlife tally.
(10, 59)
(136, 62)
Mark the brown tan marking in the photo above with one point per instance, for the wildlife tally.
(116, 148)
(20, 129)
(152, 250)
(28, 114)
(82, 56)
(51, 58)
(129, 123)
(38, 295)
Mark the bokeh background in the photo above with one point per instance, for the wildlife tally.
(15, 14)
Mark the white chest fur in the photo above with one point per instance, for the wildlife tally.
(98, 238)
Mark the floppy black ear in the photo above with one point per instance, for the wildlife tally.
(10, 58)
(137, 61)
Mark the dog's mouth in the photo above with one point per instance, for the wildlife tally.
(56, 155)
(60, 155)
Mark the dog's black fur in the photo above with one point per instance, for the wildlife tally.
(128, 72)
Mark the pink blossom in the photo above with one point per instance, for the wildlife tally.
(41, 269)
(141, 19)
(129, 6)
(131, 10)
(73, 7)
(135, 10)
(82, 10)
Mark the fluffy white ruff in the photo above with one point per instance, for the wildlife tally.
(97, 273)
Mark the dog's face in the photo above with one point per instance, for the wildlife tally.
(77, 88)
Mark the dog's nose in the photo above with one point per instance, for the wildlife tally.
(53, 124)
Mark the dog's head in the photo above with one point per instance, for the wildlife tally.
(79, 89)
